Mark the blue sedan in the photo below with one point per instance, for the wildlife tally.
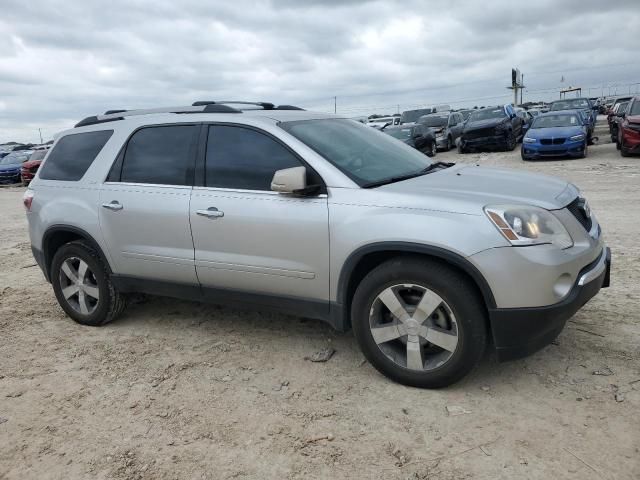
(11, 164)
(554, 135)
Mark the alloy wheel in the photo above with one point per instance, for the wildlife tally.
(413, 326)
(79, 285)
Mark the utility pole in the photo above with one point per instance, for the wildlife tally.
(335, 104)
(40, 132)
(522, 89)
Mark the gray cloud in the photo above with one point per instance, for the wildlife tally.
(61, 61)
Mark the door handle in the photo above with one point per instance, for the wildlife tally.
(114, 205)
(211, 212)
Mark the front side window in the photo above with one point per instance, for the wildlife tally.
(635, 108)
(242, 158)
(161, 155)
(364, 154)
(73, 155)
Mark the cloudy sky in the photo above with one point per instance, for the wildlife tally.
(63, 60)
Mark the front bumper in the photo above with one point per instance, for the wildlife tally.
(492, 141)
(536, 150)
(518, 332)
(10, 177)
(631, 140)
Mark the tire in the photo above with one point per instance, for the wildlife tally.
(511, 142)
(449, 143)
(461, 309)
(94, 281)
(585, 152)
(433, 149)
(624, 152)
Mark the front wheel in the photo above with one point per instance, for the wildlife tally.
(432, 150)
(419, 322)
(82, 285)
(511, 141)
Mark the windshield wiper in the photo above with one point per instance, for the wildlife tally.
(428, 169)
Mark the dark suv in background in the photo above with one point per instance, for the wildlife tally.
(629, 129)
(491, 128)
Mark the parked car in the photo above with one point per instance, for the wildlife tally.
(589, 111)
(314, 215)
(382, 121)
(411, 116)
(629, 129)
(490, 128)
(30, 167)
(554, 135)
(11, 164)
(616, 118)
(446, 126)
(612, 115)
(415, 135)
(526, 118)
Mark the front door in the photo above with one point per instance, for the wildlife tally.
(144, 205)
(248, 238)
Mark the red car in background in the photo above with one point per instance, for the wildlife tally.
(629, 129)
(30, 167)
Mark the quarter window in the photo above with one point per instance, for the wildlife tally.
(161, 155)
(243, 158)
(73, 155)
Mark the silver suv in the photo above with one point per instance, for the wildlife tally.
(319, 216)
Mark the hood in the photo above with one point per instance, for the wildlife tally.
(633, 118)
(488, 123)
(555, 132)
(469, 188)
(10, 167)
(31, 163)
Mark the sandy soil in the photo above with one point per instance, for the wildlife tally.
(182, 390)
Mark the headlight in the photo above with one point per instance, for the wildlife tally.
(577, 138)
(529, 140)
(528, 225)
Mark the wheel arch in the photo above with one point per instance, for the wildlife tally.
(58, 235)
(365, 258)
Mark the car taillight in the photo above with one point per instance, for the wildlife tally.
(27, 200)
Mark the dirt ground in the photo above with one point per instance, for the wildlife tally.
(180, 390)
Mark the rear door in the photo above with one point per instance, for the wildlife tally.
(144, 212)
(248, 238)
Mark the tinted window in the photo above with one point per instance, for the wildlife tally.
(161, 155)
(243, 158)
(73, 155)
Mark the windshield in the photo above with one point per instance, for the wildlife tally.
(573, 104)
(551, 121)
(399, 133)
(38, 155)
(486, 114)
(14, 158)
(434, 121)
(362, 153)
(410, 116)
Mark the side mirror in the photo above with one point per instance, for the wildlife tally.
(293, 181)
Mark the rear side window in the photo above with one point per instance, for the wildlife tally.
(243, 158)
(161, 155)
(73, 155)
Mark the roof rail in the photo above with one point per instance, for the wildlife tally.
(202, 106)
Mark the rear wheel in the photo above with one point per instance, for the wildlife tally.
(82, 285)
(419, 322)
(433, 149)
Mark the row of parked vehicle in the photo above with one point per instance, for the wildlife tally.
(19, 163)
(624, 125)
(563, 128)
